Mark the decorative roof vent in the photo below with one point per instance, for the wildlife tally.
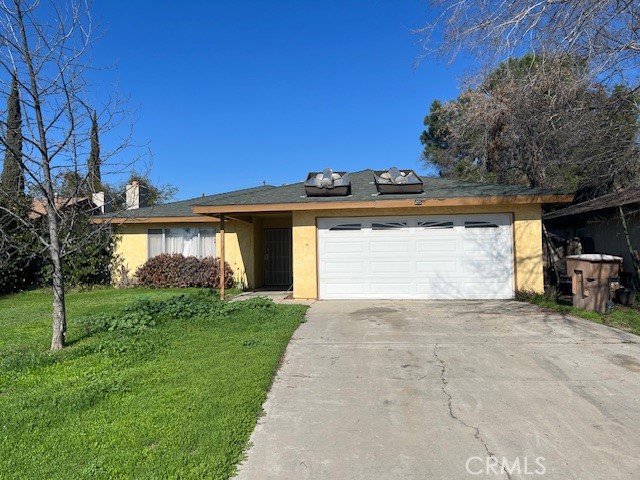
(327, 184)
(397, 181)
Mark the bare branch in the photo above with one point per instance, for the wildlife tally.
(606, 32)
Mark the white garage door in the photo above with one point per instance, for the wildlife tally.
(437, 257)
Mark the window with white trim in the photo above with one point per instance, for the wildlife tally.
(190, 242)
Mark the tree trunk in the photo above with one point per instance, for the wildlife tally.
(59, 311)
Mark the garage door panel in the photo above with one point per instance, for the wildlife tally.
(387, 288)
(344, 247)
(443, 245)
(436, 257)
(345, 289)
(344, 267)
(427, 268)
(498, 255)
(389, 247)
(479, 274)
(437, 288)
(481, 243)
(381, 268)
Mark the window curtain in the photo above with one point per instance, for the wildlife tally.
(174, 240)
(190, 242)
(155, 242)
(207, 242)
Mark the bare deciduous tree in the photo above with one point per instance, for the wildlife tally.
(47, 45)
(606, 32)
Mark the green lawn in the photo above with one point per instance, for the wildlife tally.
(624, 318)
(155, 397)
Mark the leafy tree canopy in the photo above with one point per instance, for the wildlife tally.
(539, 121)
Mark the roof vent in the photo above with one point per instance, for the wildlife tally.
(327, 183)
(397, 181)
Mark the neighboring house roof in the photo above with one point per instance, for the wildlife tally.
(38, 208)
(363, 191)
(599, 205)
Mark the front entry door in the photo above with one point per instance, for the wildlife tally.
(277, 257)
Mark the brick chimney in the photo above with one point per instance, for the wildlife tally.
(136, 195)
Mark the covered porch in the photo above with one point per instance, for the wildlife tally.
(259, 249)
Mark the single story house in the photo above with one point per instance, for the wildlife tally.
(595, 226)
(364, 235)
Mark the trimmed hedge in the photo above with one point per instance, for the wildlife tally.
(179, 271)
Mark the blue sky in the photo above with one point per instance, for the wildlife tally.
(229, 94)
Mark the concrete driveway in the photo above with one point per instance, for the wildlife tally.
(448, 390)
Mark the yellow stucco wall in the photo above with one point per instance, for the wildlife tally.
(527, 231)
(305, 252)
(244, 247)
(239, 251)
(132, 249)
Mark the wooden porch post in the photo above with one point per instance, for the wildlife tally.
(222, 261)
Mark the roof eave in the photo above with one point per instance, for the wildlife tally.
(153, 220)
(395, 203)
(586, 211)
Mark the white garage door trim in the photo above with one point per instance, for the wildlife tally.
(416, 257)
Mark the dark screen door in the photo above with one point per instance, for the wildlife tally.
(277, 257)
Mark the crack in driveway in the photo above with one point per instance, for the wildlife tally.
(477, 433)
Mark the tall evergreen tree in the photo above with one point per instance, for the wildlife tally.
(12, 171)
(18, 248)
(95, 179)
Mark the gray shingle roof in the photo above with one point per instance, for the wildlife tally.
(182, 208)
(362, 189)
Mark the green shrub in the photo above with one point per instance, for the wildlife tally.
(19, 248)
(87, 253)
(144, 314)
(257, 303)
(17, 271)
(179, 271)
